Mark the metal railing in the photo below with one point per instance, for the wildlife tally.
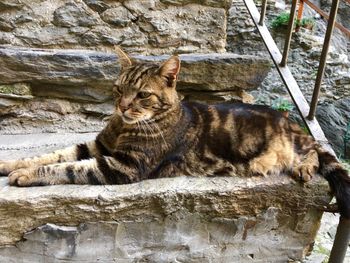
(322, 13)
(321, 68)
(307, 112)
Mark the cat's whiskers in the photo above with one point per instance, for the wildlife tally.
(145, 131)
(150, 129)
(153, 135)
(160, 132)
(138, 127)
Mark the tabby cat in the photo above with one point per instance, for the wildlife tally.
(153, 134)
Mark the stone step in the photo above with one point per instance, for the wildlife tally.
(89, 75)
(26, 145)
(226, 219)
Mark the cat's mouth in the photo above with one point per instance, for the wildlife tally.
(133, 117)
(132, 120)
(127, 117)
(128, 120)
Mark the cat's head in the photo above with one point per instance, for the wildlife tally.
(145, 90)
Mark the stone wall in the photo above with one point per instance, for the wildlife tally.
(148, 26)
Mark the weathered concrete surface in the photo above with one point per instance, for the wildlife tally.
(89, 75)
(185, 219)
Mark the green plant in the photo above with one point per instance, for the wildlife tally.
(281, 104)
(282, 20)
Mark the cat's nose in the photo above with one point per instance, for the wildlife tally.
(124, 105)
(123, 108)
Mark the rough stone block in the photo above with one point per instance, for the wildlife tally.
(148, 26)
(75, 14)
(219, 72)
(89, 75)
(184, 219)
(84, 75)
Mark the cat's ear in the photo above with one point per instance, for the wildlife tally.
(124, 60)
(170, 69)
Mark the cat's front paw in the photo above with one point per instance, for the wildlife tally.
(7, 167)
(304, 173)
(23, 177)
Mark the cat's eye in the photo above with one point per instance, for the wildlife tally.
(144, 94)
(118, 89)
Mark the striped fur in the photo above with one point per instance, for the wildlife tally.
(153, 134)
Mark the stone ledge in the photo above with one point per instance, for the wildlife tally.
(17, 146)
(89, 75)
(271, 219)
(218, 72)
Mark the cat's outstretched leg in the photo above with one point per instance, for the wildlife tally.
(74, 153)
(101, 170)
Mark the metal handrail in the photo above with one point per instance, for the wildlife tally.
(342, 237)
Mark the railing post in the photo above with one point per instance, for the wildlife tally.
(322, 65)
(263, 12)
(300, 14)
(289, 33)
(341, 241)
(300, 10)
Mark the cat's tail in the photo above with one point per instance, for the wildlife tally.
(338, 179)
